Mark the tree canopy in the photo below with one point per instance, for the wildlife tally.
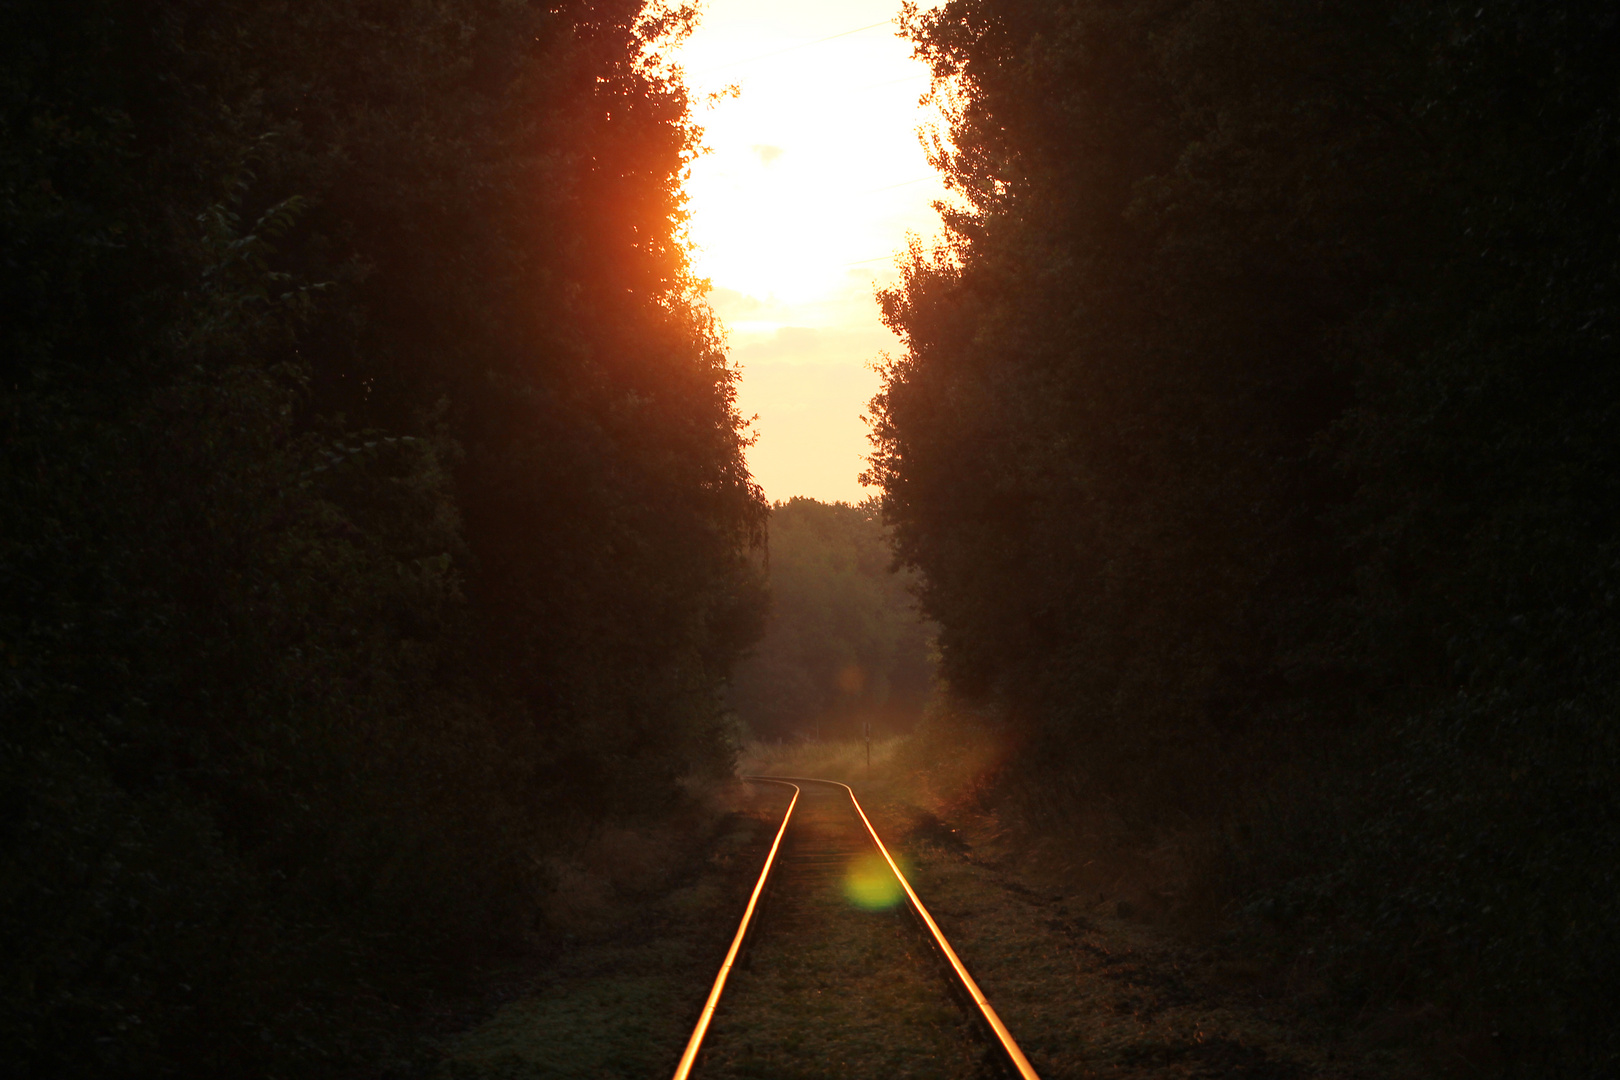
(1255, 421)
(375, 514)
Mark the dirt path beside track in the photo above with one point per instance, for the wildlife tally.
(621, 998)
(1090, 994)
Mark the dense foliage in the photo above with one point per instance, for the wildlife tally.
(374, 511)
(1255, 436)
(844, 651)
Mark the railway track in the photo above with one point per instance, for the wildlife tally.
(826, 847)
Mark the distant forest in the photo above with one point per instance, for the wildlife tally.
(375, 517)
(844, 652)
(1257, 438)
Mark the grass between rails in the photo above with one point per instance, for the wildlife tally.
(836, 987)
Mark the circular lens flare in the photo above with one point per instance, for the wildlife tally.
(870, 884)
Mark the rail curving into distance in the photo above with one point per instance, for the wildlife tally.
(1009, 1047)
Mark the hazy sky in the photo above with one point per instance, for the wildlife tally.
(814, 177)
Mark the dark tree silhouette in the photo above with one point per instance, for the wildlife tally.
(1254, 437)
(374, 510)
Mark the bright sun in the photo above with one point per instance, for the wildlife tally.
(814, 177)
(786, 200)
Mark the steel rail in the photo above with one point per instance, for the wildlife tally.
(695, 1043)
(1008, 1045)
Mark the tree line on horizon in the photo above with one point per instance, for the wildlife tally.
(844, 653)
(1255, 441)
(375, 516)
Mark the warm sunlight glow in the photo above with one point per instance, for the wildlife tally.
(813, 179)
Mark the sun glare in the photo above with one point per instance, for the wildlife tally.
(813, 178)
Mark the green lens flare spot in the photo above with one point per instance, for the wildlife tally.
(870, 884)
